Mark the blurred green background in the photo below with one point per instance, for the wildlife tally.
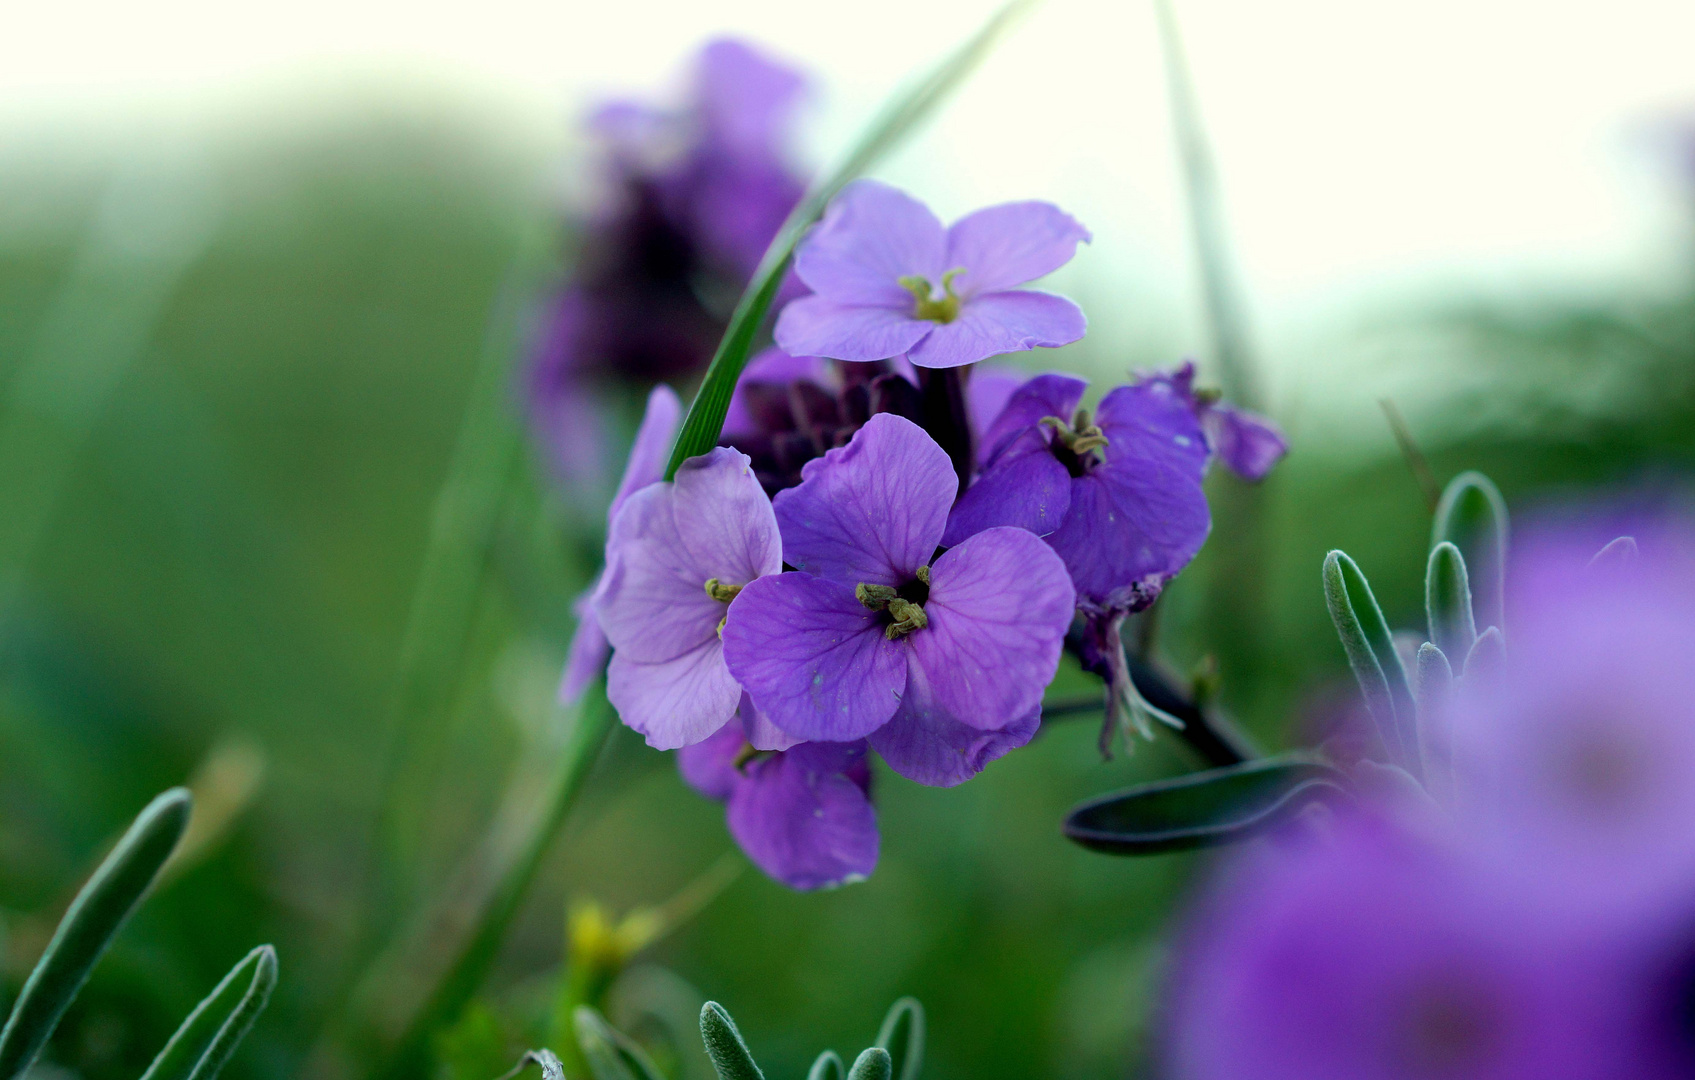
(232, 378)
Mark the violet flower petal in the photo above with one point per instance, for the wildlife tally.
(1248, 444)
(825, 326)
(1030, 490)
(743, 98)
(1004, 246)
(813, 658)
(709, 766)
(1050, 394)
(872, 235)
(803, 820)
(652, 602)
(761, 733)
(1000, 322)
(871, 511)
(652, 446)
(586, 658)
(724, 518)
(986, 395)
(999, 606)
(928, 747)
(771, 365)
(674, 702)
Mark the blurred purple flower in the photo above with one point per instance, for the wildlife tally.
(942, 666)
(802, 815)
(888, 278)
(677, 557)
(589, 651)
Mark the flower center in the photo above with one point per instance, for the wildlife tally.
(943, 308)
(904, 605)
(1079, 444)
(723, 594)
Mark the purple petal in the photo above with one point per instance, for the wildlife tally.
(771, 366)
(986, 395)
(1026, 490)
(1004, 246)
(925, 745)
(761, 732)
(744, 98)
(872, 510)
(803, 820)
(1000, 604)
(825, 326)
(871, 236)
(585, 661)
(652, 447)
(1000, 322)
(813, 658)
(652, 601)
(1153, 420)
(676, 702)
(1248, 444)
(1051, 394)
(709, 766)
(724, 518)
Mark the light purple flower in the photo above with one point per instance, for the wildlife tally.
(940, 661)
(589, 650)
(888, 278)
(677, 557)
(803, 815)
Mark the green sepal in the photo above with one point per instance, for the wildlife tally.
(873, 1063)
(96, 914)
(207, 1039)
(611, 1055)
(1447, 600)
(724, 1045)
(1472, 516)
(1202, 809)
(828, 1066)
(902, 1035)
(1370, 648)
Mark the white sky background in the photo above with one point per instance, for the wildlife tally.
(1372, 152)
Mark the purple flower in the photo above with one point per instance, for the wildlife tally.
(803, 815)
(940, 661)
(586, 660)
(677, 557)
(888, 278)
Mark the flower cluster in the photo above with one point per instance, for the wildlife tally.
(890, 550)
(1536, 917)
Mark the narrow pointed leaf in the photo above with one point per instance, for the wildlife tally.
(1216, 806)
(1487, 655)
(873, 1063)
(610, 1053)
(724, 1045)
(1447, 600)
(210, 1035)
(1370, 648)
(1435, 690)
(551, 1067)
(1473, 517)
(1617, 555)
(96, 914)
(902, 1035)
(705, 420)
(828, 1067)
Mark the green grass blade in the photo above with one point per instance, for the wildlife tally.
(873, 1063)
(902, 1035)
(705, 420)
(96, 914)
(210, 1035)
(610, 1053)
(1447, 600)
(828, 1066)
(1370, 648)
(730, 1056)
(1473, 517)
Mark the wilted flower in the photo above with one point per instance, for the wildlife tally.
(888, 278)
(942, 662)
(677, 557)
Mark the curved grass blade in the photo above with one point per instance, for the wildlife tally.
(873, 1063)
(551, 1068)
(902, 1035)
(1371, 653)
(1473, 517)
(611, 1054)
(705, 420)
(96, 914)
(204, 1043)
(724, 1045)
(1447, 600)
(1216, 806)
(828, 1067)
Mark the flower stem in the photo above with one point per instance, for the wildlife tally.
(947, 418)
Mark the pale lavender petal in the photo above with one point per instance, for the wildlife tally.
(813, 658)
(652, 601)
(1051, 394)
(803, 820)
(761, 732)
(871, 236)
(1000, 604)
(986, 395)
(585, 661)
(709, 766)
(1250, 445)
(1030, 490)
(1004, 246)
(744, 98)
(652, 447)
(724, 518)
(825, 326)
(872, 510)
(925, 745)
(677, 702)
(1000, 322)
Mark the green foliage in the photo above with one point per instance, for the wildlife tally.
(730, 1056)
(1447, 600)
(873, 1063)
(1472, 516)
(902, 1035)
(828, 1066)
(611, 1055)
(203, 1045)
(1371, 652)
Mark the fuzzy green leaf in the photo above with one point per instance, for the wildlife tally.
(828, 1066)
(724, 1045)
(902, 1035)
(1435, 690)
(1370, 648)
(1447, 600)
(873, 1063)
(1487, 656)
(705, 420)
(96, 914)
(204, 1043)
(1617, 555)
(1472, 516)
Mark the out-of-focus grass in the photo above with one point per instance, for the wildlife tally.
(235, 554)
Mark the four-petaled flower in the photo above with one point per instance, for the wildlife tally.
(940, 661)
(888, 278)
